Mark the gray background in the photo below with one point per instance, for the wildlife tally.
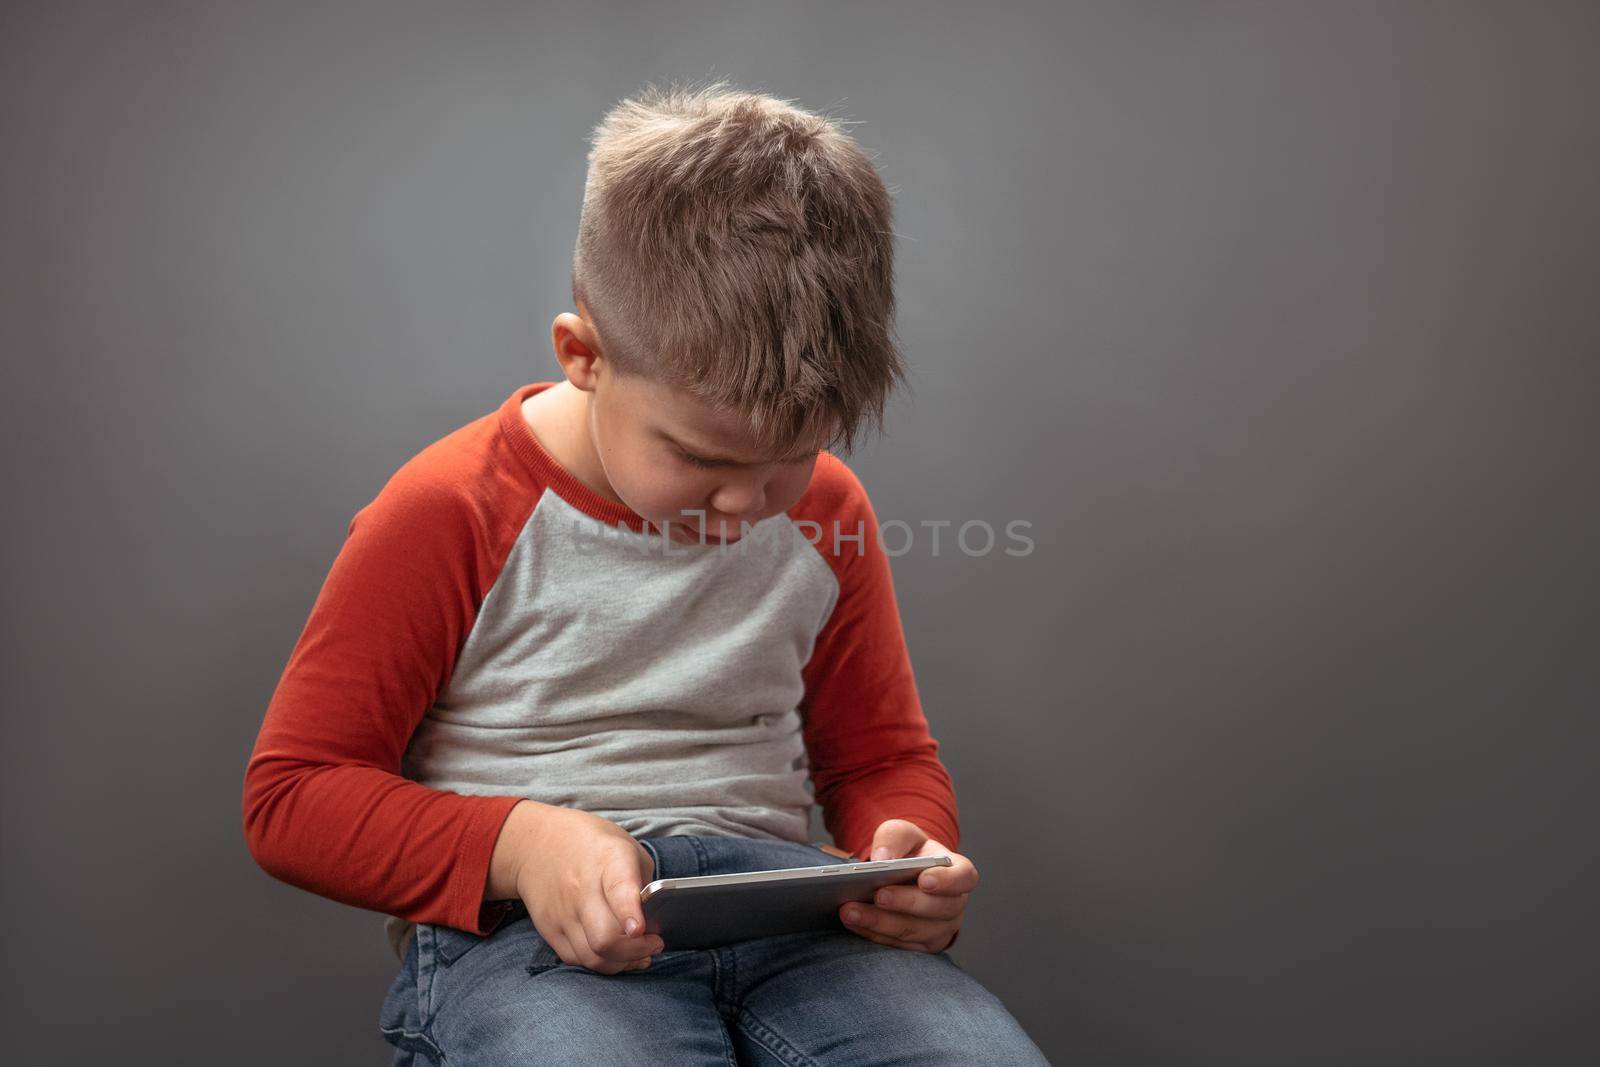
(1278, 323)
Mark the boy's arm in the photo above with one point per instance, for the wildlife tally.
(325, 806)
(871, 754)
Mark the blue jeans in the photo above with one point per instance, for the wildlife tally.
(821, 997)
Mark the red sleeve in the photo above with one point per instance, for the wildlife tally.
(325, 806)
(872, 757)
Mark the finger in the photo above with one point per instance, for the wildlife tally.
(895, 925)
(561, 944)
(960, 877)
(587, 957)
(603, 933)
(597, 939)
(601, 965)
(619, 881)
(913, 901)
(640, 964)
(892, 942)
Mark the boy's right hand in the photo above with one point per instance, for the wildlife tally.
(579, 876)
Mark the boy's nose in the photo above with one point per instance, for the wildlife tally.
(734, 501)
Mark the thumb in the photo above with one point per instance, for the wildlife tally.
(896, 838)
(620, 883)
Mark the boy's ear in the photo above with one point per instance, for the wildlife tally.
(576, 349)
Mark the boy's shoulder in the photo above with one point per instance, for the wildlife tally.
(462, 482)
(835, 490)
(836, 516)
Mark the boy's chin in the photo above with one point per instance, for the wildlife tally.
(689, 534)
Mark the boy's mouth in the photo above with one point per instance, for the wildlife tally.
(694, 534)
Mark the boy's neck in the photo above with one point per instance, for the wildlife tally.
(559, 418)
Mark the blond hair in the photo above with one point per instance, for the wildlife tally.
(738, 247)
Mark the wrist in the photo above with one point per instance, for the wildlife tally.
(511, 850)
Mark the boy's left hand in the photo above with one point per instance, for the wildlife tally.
(925, 916)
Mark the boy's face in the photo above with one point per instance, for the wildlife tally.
(670, 456)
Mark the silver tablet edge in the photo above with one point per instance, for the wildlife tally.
(791, 873)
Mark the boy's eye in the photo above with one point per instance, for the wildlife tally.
(696, 461)
(712, 464)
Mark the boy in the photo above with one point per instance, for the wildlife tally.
(608, 632)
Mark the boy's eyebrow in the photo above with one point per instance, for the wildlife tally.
(714, 456)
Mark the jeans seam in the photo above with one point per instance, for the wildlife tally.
(771, 1040)
(425, 988)
(427, 964)
(727, 1048)
(414, 1041)
(734, 996)
(702, 861)
(716, 979)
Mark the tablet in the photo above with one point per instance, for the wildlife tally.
(712, 910)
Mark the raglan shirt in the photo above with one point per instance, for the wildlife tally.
(492, 630)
